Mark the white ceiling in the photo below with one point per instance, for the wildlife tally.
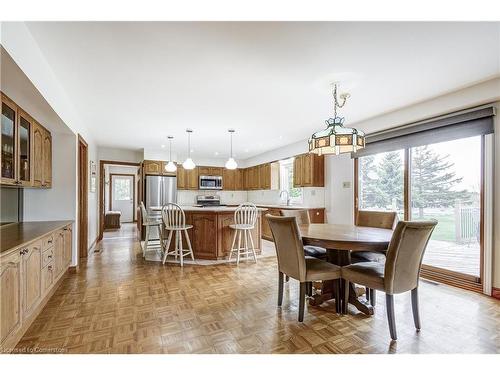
(135, 83)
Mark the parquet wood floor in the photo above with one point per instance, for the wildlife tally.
(119, 303)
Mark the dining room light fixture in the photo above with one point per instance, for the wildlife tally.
(231, 163)
(336, 138)
(189, 163)
(170, 167)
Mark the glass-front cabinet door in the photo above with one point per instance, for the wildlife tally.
(8, 141)
(25, 130)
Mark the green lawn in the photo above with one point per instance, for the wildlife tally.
(445, 230)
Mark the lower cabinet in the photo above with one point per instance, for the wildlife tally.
(28, 276)
(32, 277)
(10, 295)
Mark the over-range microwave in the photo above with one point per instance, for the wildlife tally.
(210, 183)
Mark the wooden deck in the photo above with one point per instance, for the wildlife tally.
(463, 258)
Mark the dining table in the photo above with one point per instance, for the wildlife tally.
(340, 240)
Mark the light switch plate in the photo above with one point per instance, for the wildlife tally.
(346, 184)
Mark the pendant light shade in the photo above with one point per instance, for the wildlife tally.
(189, 163)
(231, 163)
(336, 138)
(170, 167)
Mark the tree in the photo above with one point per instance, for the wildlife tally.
(389, 185)
(433, 179)
(368, 188)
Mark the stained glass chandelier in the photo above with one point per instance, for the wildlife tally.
(336, 138)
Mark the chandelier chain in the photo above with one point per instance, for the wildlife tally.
(336, 101)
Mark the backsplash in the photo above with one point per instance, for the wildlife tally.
(312, 197)
(188, 197)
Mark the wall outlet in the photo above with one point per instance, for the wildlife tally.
(346, 184)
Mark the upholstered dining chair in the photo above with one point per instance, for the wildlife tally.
(374, 219)
(303, 217)
(401, 270)
(293, 262)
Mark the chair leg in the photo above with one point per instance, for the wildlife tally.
(367, 294)
(146, 240)
(287, 278)
(389, 300)
(302, 301)
(338, 305)
(188, 240)
(345, 307)
(373, 297)
(245, 241)
(168, 247)
(239, 248)
(280, 288)
(309, 289)
(181, 250)
(176, 253)
(414, 307)
(232, 245)
(253, 246)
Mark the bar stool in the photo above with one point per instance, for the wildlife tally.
(174, 220)
(245, 217)
(149, 222)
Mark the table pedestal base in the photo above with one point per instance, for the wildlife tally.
(340, 258)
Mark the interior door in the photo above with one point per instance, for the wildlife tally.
(122, 196)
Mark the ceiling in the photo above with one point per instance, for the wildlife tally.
(134, 83)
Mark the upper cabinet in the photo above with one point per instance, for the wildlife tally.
(187, 179)
(261, 177)
(26, 156)
(309, 170)
(156, 168)
(210, 171)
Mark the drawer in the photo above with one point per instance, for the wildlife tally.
(47, 277)
(48, 241)
(47, 256)
(317, 216)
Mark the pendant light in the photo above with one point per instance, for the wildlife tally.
(189, 163)
(231, 163)
(336, 138)
(170, 167)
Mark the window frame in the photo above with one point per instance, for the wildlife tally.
(442, 275)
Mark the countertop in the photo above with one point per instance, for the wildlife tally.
(19, 234)
(290, 207)
(207, 209)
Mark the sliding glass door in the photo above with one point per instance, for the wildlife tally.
(445, 184)
(438, 180)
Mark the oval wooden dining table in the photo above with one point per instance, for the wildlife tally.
(339, 241)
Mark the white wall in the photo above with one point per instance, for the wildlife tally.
(339, 200)
(119, 154)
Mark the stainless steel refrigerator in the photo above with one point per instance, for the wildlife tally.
(159, 190)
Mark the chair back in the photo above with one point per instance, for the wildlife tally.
(302, 216)
(246, 213)
(405, 254)
(377, 219)
(173, 216)
(289, 248)
(144, 213)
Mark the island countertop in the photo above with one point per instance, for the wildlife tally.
(15, 235)
(228, 208)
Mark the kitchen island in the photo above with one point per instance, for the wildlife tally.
(211, 237)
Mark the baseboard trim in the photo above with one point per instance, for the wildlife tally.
(495, 293)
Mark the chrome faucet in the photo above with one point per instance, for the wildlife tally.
(287, 196)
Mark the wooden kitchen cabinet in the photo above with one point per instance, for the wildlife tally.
(204, 240)
(29, 275)
(152, 167)
(10, 296)
(32, 277)
(317, 215)
(309, 170)
(229, 179)
(239, 183)
(26, 148)
(210, 171)
(187, 179)
(266, 229)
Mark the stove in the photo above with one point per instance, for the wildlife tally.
(208, 200)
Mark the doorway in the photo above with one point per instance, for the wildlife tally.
(82, 198)
(122, 196)
(118, 169)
